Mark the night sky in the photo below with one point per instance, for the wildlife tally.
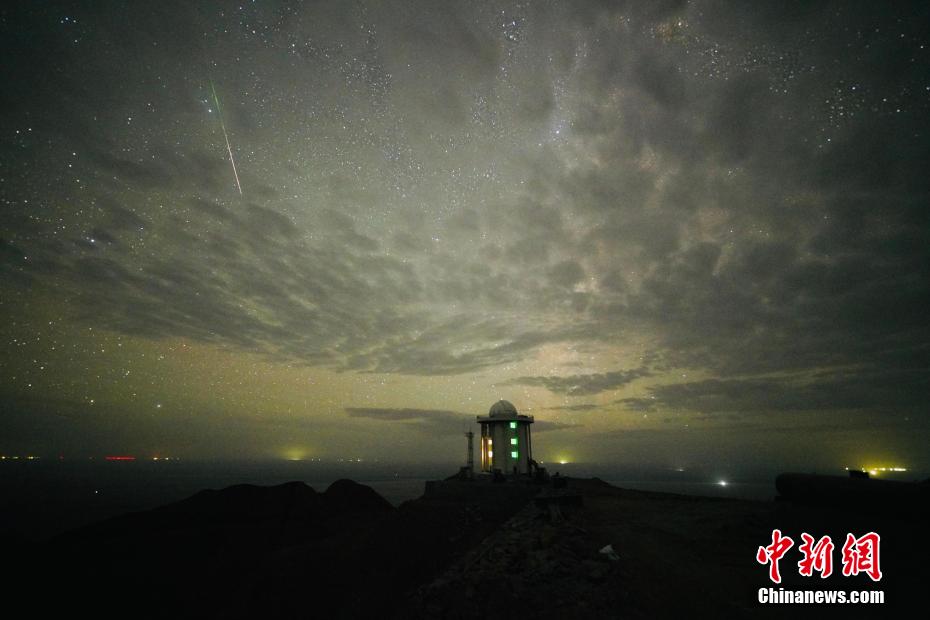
(689, 235)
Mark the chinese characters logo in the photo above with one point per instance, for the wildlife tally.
(859, 555)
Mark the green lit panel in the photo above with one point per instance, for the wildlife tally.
(513, 425)
(513, 441)
(514, 454)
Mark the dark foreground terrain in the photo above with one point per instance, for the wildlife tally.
(291, 552)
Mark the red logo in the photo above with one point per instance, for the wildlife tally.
(773, 553)
(817, 557)
(860, 555)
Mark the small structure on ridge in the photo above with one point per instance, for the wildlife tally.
(506, 445)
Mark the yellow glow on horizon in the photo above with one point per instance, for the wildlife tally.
(876, 470)
(295, 453)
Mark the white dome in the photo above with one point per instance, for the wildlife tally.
(502, 409)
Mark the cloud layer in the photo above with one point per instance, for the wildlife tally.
(676, 190)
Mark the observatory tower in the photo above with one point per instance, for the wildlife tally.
(505, 440)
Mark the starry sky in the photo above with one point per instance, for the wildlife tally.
(684, 234)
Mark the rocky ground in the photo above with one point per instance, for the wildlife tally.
(290, 552)
(676, 556)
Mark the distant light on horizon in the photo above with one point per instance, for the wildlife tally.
(295, 453)
(722, 483)
(874, 471)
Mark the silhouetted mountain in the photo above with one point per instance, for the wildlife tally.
(249, 551)
(463, 550)
(348, 495)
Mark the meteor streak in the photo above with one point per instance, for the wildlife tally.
(219, 111)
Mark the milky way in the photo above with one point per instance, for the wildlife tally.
(692, 233)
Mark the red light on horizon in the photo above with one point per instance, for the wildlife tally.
(120, 458)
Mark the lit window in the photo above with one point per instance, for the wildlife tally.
(514, 454)
(513, 425)
(490, 454)
(513, 441)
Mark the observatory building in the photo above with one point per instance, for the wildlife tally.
(505, 440)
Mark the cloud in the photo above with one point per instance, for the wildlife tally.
(443, 194)
(579, 385)
(429, 421)
(578, 407)
(857, 389)
(638, 404)
(438, 420)
(733, 232)
(376, 413)
(566, 274)
(544, 426)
